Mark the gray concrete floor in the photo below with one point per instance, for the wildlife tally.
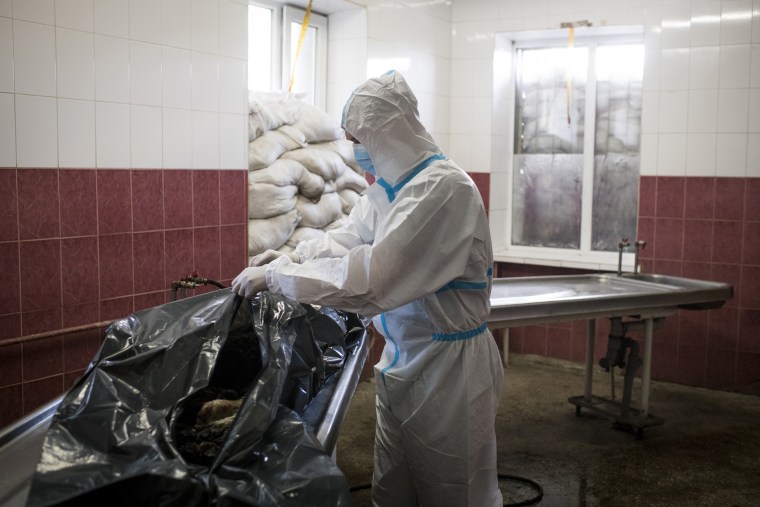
(706, 453)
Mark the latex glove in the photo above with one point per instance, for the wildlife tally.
(271, 255)
(250, 281)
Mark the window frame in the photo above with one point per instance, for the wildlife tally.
(505, 75)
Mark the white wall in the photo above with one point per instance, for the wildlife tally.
(123, 83)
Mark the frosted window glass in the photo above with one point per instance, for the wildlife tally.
(305, 81)
(259, 48)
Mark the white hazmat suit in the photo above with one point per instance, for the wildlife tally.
(417, 256)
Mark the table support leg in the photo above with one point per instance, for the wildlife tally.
(590, 337)
(647, 367)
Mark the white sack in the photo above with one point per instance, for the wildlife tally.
(343, 148)
(285, 172)
(269, 111)
(349, 179)
(266, 200)
(325, 163)
(304, 234)
(266, 149)
(317, 125)
(340, 222)
(267, 233)
(319, 214)
(348, 198)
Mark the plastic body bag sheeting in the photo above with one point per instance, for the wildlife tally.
(114, 439)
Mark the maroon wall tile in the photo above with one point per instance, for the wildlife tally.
(692, 328)
(698, 240)
(39, 392)
(723, 328)
(40, 274)
(8, 205)
(114, 201)
(40, 321)
(234, 250)
(665, 362)
(534, 340)
(668, 238)
(79, 349)
(79, 265)
(749, 331)
(559, 343)
(115, 265)
(233, 195)
(752, 200)
(729, 198)
(42, 358)
(10, 325)
(9, 278)
(700, 198)
(38, 215)
(10, 358)
(205, 198)
(730, 274)
(206, 252)
(179, 254)
(149, 300)
(178, 199)
(721, 369)
(79, 204)
(149, 262)
(646, 233)
(647, 196)
(11, 404)
(147, 200)
(116, 309)
(751, 242)
(692, 365)
(79, 315)
(749, 292)
(667, 267)
(670, 197)
(483, 182)
(727, 242)
(697, 270)
(747, 368)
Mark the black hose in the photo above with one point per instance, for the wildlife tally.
(214, 282)
(533, 484)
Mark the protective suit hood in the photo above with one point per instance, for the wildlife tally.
(382, 114)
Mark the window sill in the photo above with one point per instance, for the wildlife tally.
(606, 261)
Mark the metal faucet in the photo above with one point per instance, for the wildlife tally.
(624, 243)
(639, 244)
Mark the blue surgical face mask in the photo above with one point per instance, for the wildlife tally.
(363, 159)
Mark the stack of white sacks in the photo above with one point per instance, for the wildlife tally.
(302, 176)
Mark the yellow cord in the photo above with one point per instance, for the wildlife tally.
(304, 27)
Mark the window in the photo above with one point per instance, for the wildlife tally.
(574, 166)
(274, 33)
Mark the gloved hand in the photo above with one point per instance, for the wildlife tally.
(250, 281)
(270, 255)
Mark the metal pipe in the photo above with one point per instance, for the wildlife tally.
(56, 332)
(590, 337)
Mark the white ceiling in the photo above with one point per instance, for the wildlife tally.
(323, 6)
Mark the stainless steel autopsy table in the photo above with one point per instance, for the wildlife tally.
(645, 298)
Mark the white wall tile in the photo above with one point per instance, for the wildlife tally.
(205, 26)
(481, 117)
(76, 133)
(34, 58)
(649, 153)
(36, 131)
(461, 115)
(146, 137)
(176, 78)
(700, 156)
(671, 155)
(205, 140)
(736, 22)
(7, 131)
(112, 139)
(651, 69)
(674, 106)
(481, 9)
(145, 86)
(177, 138)
(734, 66)
(233, 141)
(731, 158)
(346, 61)
(74, 14)
(705, 23)
(111, 69)
(704, 67)
(676, 25)
(177, 18)
(755, 62)
(6, 8)
(756, 21)
(6, 55)
(145, 21)
(650, 112)
(753, 156)
(473, 39)
(733, 109)
(205, 82)
(75, 56)
(111, 17)
(480, 154)
(349, 24)
(233, 89)
(459, 149)
(703, 111)
(233, 29)
(674, 69)
(37, 11)
(754, 110)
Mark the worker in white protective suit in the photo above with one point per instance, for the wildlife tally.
(417, 256)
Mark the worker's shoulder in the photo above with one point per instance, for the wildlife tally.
(447, 173)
